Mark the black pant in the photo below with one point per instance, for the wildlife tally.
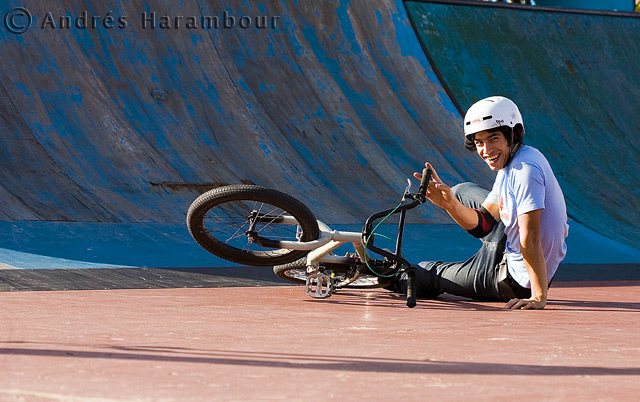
(479, 276)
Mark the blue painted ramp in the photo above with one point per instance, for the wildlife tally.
(574, 76)
(110, 133)
(334, 101)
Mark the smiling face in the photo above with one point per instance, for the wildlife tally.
(493, 148)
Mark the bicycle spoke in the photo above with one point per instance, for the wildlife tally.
(234, 223)
(231, 221)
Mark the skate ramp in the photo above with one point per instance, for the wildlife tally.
(333, 102)
(575, 80)
(109, 134)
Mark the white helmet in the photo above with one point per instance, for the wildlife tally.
(492, 112)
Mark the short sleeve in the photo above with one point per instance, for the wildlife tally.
(528, 188)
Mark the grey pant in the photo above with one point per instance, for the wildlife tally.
(479, 276)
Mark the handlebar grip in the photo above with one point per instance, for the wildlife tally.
(411, 288)
(426, 177)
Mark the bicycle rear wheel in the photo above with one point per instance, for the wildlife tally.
(226, 221)
(296, 272)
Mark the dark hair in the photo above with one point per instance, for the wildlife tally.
(514, 135)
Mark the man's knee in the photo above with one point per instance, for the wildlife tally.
(470, 194)
(462, 188)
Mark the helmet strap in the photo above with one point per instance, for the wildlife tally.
(513, 148)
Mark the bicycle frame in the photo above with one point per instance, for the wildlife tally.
(329, 240)
(318, 284)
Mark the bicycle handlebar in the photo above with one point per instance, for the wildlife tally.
(424, 183)
(367, 231)
(419, 198)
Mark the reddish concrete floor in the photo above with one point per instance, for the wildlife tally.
(275, 343)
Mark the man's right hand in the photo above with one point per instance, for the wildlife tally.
(437, 192)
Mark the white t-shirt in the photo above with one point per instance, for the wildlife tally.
(526, 184)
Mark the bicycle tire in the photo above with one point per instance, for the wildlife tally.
(224, 235)
(295, 271)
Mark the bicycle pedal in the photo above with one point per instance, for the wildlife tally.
(319, 285)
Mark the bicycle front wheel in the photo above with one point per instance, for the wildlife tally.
(226, 221)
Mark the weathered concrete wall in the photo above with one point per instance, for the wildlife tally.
(334, 102)
(574, 77)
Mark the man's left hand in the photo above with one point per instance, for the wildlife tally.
(525, 304)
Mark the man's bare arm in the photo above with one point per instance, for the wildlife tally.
(531, 248)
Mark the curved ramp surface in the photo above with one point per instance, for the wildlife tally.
(335, 103)
(574, 77)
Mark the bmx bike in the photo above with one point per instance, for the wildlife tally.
(254, 225)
